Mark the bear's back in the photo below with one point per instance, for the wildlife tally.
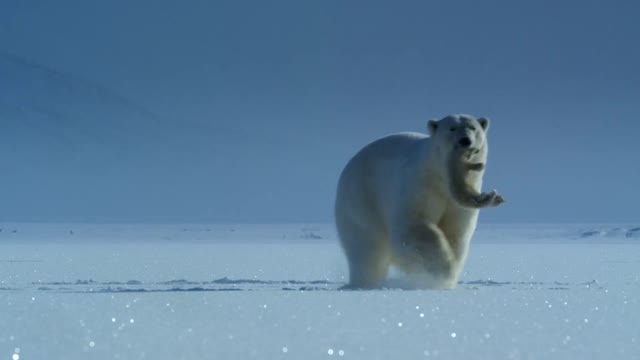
(374, 175)
(391, 146)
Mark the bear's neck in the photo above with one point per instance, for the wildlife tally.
(432, 164)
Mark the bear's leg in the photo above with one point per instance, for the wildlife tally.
(460, 186)
(425, 249)
(368, 254)
(467, 196)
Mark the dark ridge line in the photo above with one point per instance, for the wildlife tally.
(124, 290)
(312, 288)
(45, 288)
(179, 285)
(224, 280)
(499, 283)
(194, 289)
(77, 282)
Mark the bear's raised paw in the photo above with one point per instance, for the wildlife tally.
(491, 199)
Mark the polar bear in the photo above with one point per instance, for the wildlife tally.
(412, 201)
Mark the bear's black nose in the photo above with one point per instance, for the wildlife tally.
(465, 142)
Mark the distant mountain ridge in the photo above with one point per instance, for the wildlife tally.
(43, 108)
(71, 148)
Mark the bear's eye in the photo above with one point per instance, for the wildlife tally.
(453, 128)
(472, 128)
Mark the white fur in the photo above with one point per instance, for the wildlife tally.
(393, 206)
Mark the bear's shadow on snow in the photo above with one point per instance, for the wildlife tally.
(227, 285)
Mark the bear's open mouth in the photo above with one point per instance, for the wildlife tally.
(468, 152)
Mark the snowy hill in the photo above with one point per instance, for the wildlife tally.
(73, 150)
(69, 146)
(48, 115)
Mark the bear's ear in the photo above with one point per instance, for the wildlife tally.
(484, 122)
(433, 126)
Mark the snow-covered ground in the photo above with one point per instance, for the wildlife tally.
(71, 291)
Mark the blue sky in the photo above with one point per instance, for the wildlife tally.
(278, 95)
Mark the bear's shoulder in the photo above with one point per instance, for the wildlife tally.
(395, 142)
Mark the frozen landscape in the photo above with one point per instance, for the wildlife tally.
(127, 126)
(78, 291)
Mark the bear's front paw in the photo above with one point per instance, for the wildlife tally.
(498, 200)
(491, 199)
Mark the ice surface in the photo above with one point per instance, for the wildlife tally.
(269, 292)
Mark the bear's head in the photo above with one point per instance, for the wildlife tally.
(459, 132)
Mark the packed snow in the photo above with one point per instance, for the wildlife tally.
(79, 291)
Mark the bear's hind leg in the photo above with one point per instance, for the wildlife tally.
(425, 250)
(368, 255)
